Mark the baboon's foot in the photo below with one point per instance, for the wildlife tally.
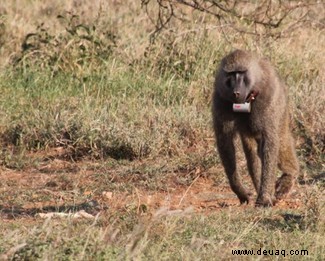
(265, 201)
(283, 186)
(244, 198)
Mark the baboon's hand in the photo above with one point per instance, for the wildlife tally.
(244, 199)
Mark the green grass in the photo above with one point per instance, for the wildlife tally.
(103, 113)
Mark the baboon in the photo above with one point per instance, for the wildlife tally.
(247, 81)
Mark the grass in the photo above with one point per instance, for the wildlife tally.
(168, 237)
(89, 107)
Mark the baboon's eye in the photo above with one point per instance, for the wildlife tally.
(246, 81)
(228, 82)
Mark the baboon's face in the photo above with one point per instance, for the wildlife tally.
(238, 86)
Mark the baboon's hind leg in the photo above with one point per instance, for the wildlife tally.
(253, 160)
(288, 164)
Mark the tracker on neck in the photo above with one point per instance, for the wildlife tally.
(245, 107)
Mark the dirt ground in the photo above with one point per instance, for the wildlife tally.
(63, 186)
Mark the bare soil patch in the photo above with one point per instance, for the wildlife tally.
(64, 186)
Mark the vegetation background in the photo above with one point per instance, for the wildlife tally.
(105, 107)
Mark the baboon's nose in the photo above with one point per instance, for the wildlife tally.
(236, 95)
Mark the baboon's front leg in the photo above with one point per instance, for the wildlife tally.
(253, 161)
(226, 148)
(269, 153)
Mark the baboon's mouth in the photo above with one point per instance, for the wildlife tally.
(239, 100)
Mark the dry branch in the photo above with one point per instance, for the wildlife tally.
(268, 17)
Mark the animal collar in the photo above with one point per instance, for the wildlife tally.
(252, 96)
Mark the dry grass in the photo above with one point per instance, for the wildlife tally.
(89, 85)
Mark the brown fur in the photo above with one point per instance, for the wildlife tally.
(264, 132)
